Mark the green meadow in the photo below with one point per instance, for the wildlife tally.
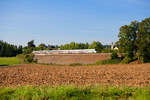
(8, 61)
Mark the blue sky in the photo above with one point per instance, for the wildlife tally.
(63, 21)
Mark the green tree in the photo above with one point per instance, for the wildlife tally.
(29, 48)
(86, 46)
(42, 46)
(127, 39)
(97, 46)
(77, 46)
(61, 47)
(20, 49)
(7, 50)
(134, 40)
(31, 44)
(72, 45)
(114, 55)
(81, 46)
(143, 40)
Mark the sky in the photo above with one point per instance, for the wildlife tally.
(62, 21)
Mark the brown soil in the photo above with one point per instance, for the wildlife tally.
(33, 74)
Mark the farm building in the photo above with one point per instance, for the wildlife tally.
(79, 51)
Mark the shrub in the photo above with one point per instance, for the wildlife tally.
(76, 64)
(107, 50)
(110, 61)
(29, 58)
(144, 58)
(127, 60)
(21, 57)
(114, 55)
(28, 50)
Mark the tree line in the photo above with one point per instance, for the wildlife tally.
(9, 50)
(73, 45)
(69, 46)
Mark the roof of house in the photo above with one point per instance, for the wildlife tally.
(76, 51)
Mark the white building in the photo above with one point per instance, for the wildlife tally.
(113, 47)
(78, 51)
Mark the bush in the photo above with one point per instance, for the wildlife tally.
(107, 50)
(110, 61)
(21, 57)
(28, 50)
(144, 58)
(127, 60)
(114, 55)
(76, 64)
(29, 58)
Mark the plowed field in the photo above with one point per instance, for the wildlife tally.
(34, 74)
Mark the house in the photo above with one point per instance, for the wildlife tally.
(113, 47)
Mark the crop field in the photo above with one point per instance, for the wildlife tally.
(118, 74)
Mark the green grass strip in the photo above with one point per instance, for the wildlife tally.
(75, 93)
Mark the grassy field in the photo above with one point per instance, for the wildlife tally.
(75, 93)
(8, 61)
